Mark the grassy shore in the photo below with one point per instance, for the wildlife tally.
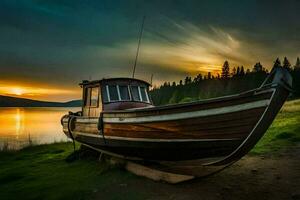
(284, 131)
(44, 172)
(47, 172)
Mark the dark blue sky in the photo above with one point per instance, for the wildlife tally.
(53, 44)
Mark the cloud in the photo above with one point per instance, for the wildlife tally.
(56, 43)
(185, 47)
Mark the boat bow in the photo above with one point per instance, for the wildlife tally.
(280, 81)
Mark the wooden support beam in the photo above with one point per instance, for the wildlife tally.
(155, 174)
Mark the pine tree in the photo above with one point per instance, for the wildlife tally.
(286, 64)
(234, 71)
(238, 71)
(209, 75)
(174, 98)
(186, 80)
(242, 73)
(257, 67)
(225, 70)
(297, 66)
(277, 63)
(198, 78)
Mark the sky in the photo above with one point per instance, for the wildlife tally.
(48, 46)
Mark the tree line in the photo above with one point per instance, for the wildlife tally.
(230, 81)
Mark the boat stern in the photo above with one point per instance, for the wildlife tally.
(65, 125)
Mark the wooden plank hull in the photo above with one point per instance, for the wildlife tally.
(163, 150)
(221, 130)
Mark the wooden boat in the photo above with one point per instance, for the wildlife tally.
(119, 119)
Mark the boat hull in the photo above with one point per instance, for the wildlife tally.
(160, 151)
(213, 129)
(218, 131)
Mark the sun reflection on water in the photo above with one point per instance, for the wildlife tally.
(18, 118)
(41, 125)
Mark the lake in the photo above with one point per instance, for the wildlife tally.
(19, 126)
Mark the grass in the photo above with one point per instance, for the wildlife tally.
(48, 172)
(284, 131)
(43, 172)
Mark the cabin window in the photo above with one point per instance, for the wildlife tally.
(91, 96)
(87, 96)
(105, 95)
(143, 92)
(113, 93)
(94, 96)
(124, 93)
(135, 93)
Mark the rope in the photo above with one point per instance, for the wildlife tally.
(71, 120)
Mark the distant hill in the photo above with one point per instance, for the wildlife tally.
(6, 101)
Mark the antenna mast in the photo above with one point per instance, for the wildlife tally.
(138, 48)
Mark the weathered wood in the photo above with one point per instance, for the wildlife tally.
(155, 174)
(226, 126)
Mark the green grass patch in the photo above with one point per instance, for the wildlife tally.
(43, 172)
(284, 131)
(284, 135)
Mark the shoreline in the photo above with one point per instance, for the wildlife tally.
(36, 172)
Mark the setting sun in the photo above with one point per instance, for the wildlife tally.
(17, 91)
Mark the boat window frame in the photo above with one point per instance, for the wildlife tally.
(88, 96)
(146, 93)
(118, 92)
(129, 89)
(139, 93)
(108, 93)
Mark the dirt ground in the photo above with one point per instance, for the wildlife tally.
(253, 177)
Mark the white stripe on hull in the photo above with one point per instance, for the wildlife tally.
(178, 116)
(152, 140)
(88, 120)
(187, 115)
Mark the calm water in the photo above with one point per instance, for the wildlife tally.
(40, 125)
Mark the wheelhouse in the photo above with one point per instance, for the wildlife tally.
(114, 94)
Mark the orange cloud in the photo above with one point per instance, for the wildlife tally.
(38, 93)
